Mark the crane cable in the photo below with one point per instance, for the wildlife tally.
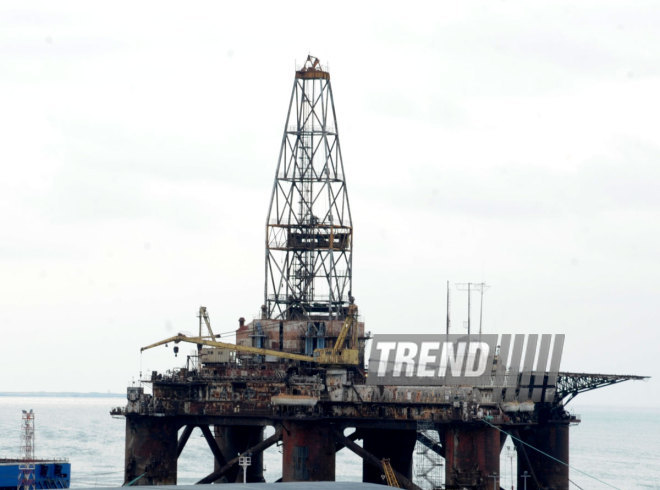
(550, 456)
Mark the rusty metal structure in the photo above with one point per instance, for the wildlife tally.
(309, 233)
(275, 375)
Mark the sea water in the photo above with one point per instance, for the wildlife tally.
(618, 446)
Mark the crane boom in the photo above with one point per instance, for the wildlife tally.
(338, 354)
(238, 348)
(348, 323)
(203, 315)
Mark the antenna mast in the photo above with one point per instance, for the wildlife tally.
(469, 287)
(448, 306)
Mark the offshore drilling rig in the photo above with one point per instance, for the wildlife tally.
(300, 367)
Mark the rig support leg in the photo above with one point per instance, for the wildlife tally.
(151, 450)
(403, 480)
(397, 445)
(544, 472)
(235, 439)
(309, 452)
(472, 456)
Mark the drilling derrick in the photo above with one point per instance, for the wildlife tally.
(309, 230)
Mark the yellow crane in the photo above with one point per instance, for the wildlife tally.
(335, 355)
(338, 354)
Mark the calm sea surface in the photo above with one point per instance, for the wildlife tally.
(618, 446)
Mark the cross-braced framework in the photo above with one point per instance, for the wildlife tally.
(26, 477)
(569, 385)
(428, 460)
(309, 231)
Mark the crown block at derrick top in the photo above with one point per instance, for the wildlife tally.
(312, 74)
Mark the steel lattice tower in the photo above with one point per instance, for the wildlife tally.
(26, 476)
(309, 231)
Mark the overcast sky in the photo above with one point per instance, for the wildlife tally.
(505, 142)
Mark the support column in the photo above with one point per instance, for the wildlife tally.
(234, 439)
(472, 454)
(151, 450)
(397, 445)
(309, 452)
(546, 473)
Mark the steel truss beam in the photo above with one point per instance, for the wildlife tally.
(569, 385)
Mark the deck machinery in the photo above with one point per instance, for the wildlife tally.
(300, 367)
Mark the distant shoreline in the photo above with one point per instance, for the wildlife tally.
(61, 394)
